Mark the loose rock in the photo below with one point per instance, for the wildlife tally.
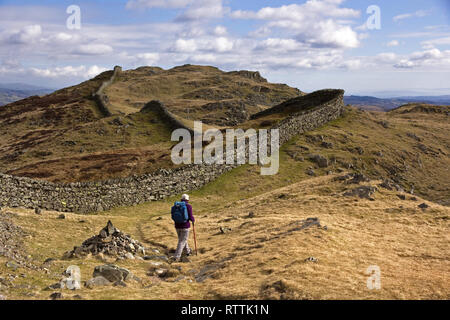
(424, 206)
(321, 161)
(112, 273)
(98, 281)
(56, 296)
(364, 192)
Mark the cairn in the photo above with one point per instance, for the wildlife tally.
(110, 241)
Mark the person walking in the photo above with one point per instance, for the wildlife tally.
(182, 215)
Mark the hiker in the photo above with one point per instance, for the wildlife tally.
(182, 215)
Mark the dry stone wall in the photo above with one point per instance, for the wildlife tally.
(161, 109)
(101, 98)
(99, 196)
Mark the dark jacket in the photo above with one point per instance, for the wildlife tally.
(187, 224)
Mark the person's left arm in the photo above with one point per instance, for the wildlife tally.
(191, 216)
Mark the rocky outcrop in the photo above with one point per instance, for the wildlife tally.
(253, 75)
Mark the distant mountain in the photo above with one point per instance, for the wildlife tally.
(11, 92)
(445, 100)
(386, 104)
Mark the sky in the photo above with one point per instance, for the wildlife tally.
(381, 48)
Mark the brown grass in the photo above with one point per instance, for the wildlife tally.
(263, 257)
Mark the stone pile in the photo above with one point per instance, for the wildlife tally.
(110, 241)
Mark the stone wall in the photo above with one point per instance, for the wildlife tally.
(298, 123)
(304, 103)
(165, 114)
(101, 98)
(99, 196)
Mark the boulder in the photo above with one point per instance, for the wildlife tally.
(112, 273)
(321, 161)
(358, 178)
(401, 196)
(327, 145)
(97, 282)
(364, 192)
(129, 256)
(56, 296)
(54, 286)
(424, 206)
(390, 185)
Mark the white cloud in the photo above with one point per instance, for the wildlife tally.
(427, 58)
(404, 64)
(67, 71)
(329, 34)
(203, 10)
(278, 44)
(223, 44)
(436, 42)
(316, 23)
(149, 58)
(94, 71)
(183, 45)
(296, 12)
(62, 36)
(417, 14)
(135, 4)
(27, 34)
(427, 55)
(220, 44)
(204, 58)
(220, 31)
(386, 57)
(352, 64)
(393, 43)
(93, 49)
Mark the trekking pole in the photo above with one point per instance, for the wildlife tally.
(195, 238)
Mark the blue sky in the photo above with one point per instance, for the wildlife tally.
(311, 44)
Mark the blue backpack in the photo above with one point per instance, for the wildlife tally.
(180, 212)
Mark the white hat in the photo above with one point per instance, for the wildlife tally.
(185, 197)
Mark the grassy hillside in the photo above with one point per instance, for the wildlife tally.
(255, 238)
(63, 137)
